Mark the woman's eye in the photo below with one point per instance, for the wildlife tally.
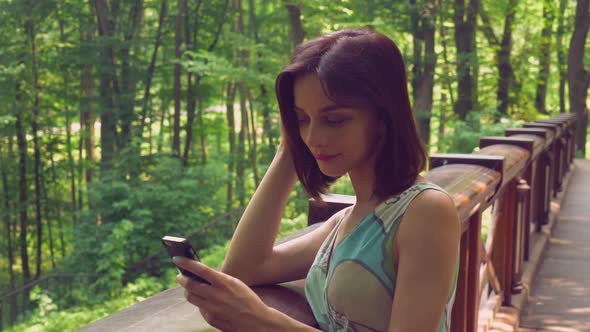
(302, 120)
(335, 120)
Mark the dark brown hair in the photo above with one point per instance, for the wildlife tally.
(364, 68)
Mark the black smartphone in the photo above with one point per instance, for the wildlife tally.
(177, 246)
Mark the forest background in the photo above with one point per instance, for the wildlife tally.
(122, 121)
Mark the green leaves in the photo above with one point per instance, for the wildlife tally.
(112, 259)
(216, 67)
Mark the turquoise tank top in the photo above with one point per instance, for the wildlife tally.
(355, 293)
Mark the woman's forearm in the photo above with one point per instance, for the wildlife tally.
(255, 235)
(278, 321)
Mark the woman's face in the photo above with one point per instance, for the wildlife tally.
(341, 138)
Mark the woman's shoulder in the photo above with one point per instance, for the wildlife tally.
(431, 213)
(393, 208)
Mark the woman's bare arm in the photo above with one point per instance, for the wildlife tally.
(428, 240)
(252, 256)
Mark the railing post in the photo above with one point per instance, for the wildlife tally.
(504, 238)
(553, 155)
(539, 180)
(542, 193)
(474, 248)
(522, 235)
(564, 148)
(464, 317)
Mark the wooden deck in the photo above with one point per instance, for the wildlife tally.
(559, 299)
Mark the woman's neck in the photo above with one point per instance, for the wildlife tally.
(363, 183)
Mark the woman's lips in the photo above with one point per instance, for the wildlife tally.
(325, 157)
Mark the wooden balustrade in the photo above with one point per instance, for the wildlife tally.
(541, 195)
(515, 176)
(556, 153)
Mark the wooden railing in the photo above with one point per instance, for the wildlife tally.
(513, 177)
(14, 303)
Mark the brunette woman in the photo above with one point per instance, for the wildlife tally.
(387, 263)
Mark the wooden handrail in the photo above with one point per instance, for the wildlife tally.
(516, 175)
(46, 278)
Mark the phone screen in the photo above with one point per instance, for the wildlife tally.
(177, 246)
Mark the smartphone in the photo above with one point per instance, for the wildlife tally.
(177, 246)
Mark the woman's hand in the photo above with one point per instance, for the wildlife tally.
(226, 303)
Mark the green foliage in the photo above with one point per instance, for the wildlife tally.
(111, 262)
(463, 136)
(127, 221)
(110, 226)
(48, 317)
(214, 255)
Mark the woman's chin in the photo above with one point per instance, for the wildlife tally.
(332, 172)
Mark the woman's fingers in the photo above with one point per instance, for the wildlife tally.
(212, 314)
(216, 321)
(212, 276)
(203, 290)
(196, 299)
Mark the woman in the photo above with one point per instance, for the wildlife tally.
(387, 263)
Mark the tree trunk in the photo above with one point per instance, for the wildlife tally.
(241, 155)
(177, 87)
(30, 30)
(266, 109)
(9, 231)
(151, 69)
(109, 88)
(87, 117)
(241, 151)
(561, 54)
(423, 26)
(71, 165)
(202, 135)
(296, 26)
(191, 103)
(128, 83)
(503, 56)
(578, 75)
(165, 103)
(446, 81)
(163, 113)
(507, 83)
(193, 85)
(465, 43)
(22, 196)
(253, 148)
(49, 223)
(231, 125)
(545, 55)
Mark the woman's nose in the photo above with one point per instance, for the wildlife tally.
(314, 135)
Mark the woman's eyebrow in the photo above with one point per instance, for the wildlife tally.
(327, 108)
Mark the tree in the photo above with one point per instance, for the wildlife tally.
(297, 31)
(30, 31)
(8, 233)
(506, 78)
(109, 87)
(545, 53)
(561, 54)
(465, 23)
(177, 73)
(423, 26)
(578, 75)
